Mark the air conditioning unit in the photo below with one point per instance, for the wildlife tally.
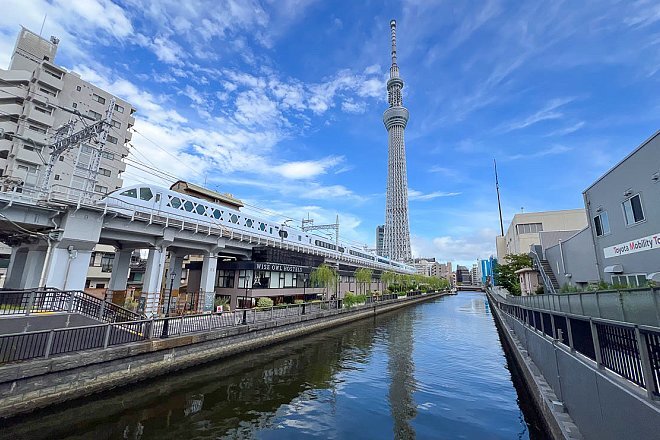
(627, 193)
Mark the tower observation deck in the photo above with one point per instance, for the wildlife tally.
(396, 243)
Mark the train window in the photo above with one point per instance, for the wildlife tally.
(175, 202)
(130, 193)
(248, 222)
(262, 226)
(201, 209)
(234, 218)
(146, 194)
(188, 206)
(157, 197)
(216, 213)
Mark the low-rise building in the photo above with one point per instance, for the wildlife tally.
(621, 244)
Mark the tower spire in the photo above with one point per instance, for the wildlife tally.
(394, 70)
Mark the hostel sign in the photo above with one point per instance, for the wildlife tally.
(275, 267)
(633, 246)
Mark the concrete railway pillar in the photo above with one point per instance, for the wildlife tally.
(153, 279)
(16, 266)
(207, 284)
(121, 267)
(176, 266)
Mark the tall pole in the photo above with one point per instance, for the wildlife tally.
(499, 204)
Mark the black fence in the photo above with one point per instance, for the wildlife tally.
(43, 344)
(38, 301)
(629, 350)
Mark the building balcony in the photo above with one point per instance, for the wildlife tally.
(30, 156)
(35, 115)
(17, 92)
(11, 108)
(8, 126)
(46, 78)
(15, 75)
(131, 121)
(128, 136)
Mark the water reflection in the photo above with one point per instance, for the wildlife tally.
(431, 371)
(401, 369)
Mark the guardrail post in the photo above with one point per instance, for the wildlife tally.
(272, 312)
(303, 309)
(654, 293)
(106, 338)
(69, 305)
(647, 369)
(30, 303)
(594, 336)
(552, 323)
(101, 310)
(244, 316)
(151, 327)
(180, 325)
(600, 315)
(210, 321)
(49, 343)
(570, 332)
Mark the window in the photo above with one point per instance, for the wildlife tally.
(107, 155)
(98, 98)
(119, 108)
(175, 202)
(53, 74)
(130, 193)
(75, 105)
(57, 177)
(632, 210)
(61, 158)
(529, 228)
(101, 189)
(104, 172)
(44, 110)
(94, 114)
(48, 91)
(632, 281)
(106, 262)
(244, 277)
(225, 278)
(78, 88)
(38, 128)
(116, 124)
(602, 224)
(111, 139)
(146, 194)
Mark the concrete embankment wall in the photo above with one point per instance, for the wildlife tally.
(570, 389)
(27, 386)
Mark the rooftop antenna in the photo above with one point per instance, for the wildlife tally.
(499, 204)
(42, 24)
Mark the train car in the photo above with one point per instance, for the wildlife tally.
(165, 202)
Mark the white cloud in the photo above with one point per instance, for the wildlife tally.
(551, 151)
(306, 169)
(548, 112)
(415, 195)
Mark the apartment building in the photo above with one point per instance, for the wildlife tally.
(36, 97)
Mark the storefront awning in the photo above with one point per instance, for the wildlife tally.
(615, 268)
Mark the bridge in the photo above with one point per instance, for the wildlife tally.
(53, 235)
(469, 288)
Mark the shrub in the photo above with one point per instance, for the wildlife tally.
(298, 301)
(351, 300)
(264, 302)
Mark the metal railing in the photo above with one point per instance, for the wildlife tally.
(26, 302)
(631, 351)
(638, 306)
(44, 344)
(536, 259)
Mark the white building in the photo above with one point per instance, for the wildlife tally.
(525, 228)
(36, 97)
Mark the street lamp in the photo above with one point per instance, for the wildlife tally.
(246, 282)
(166, 323)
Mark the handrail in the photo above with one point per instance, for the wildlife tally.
(45, 343)
(547, 282)
(629, 350)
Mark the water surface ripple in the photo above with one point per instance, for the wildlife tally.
(435, 370)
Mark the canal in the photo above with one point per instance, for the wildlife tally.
(435, 370)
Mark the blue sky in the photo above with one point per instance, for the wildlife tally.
(281, 102)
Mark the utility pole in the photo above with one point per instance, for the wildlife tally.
(499, 205)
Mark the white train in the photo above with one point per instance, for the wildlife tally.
(160, 201)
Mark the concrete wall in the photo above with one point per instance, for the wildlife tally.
(603, 405)
(579, 260)
(635, 174)
(26, 386)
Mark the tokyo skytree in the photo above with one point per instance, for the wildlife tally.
(396, 243)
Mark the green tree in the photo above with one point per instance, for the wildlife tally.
(387, 278)
(324, 276)
(505, 274)
(363, 277)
